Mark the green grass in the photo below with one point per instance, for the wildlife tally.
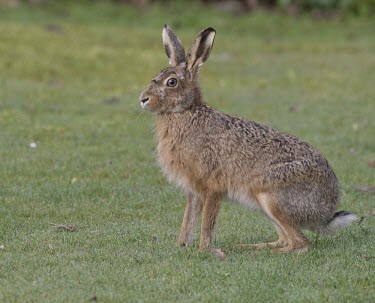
(70, 80)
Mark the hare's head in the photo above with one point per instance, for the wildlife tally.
(176, 88)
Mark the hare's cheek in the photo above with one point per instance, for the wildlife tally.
(154, 104)
(177, 101)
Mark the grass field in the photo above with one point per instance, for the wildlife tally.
(70, 77)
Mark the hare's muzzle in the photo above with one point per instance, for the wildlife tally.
(144, 100)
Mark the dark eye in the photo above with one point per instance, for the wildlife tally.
(172, 82)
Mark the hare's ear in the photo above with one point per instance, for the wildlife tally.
(200, 50)
(173, 46)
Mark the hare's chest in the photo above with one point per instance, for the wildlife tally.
(174, 163)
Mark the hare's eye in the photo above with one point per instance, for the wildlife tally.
(172, 82)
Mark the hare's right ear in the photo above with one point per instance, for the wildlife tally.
(173, 46)
(200, 50)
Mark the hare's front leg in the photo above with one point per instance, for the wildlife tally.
(211, 209)
(193, 209)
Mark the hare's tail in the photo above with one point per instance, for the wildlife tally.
(340, 219)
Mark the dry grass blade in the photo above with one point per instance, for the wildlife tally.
(293, 108)
(54, 28)
(64, 227)
(371, 163)
(368, 257)
(366, 189)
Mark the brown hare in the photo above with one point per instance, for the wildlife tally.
(212, 155)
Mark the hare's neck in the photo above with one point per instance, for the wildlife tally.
(198, 100)
(172, 125)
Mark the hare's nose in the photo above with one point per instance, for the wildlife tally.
(144, 100)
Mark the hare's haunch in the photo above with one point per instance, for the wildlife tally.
(212, 155)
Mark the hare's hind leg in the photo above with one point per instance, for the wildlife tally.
(295, 239)
(193, 209)
(281, 242)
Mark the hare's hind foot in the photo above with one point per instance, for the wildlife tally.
(278, 243)
(297, 242)
(289, 232)
(291, 248)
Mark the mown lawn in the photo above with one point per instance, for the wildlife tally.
(70, 77)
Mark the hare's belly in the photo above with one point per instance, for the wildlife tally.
(244, 197)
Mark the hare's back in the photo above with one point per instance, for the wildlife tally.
(249, 148)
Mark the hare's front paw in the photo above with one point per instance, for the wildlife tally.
(183, 243)
(219, 253)
(184, 239)
(216, 251)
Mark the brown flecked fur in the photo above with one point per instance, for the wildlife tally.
(212, 155)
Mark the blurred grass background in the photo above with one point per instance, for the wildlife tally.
(77, 150)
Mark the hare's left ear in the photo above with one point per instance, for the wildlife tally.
(173, 46)
(200, 50)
